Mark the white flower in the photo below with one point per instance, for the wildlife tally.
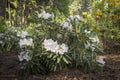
(54, 47)
(41, 15)
(24, 56)
(70, 27)
(26, 42)
(71, 18)
(64, 47)
(87, 45)
(44, 15)
(29, 42)
(86, 31)
(101, 61)
(22, 34)
(21, 56)
(60, 51)
(65, 25)
(95, 39)
(105, 5)
(50, 45)
(77, 16)
(47, 15)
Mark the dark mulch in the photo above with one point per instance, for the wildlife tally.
(10, 70)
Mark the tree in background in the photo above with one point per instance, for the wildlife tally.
(21, 12)
(2, 8)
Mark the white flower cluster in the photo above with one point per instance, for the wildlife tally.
(88, 45)
(24, 56)
(95, 39)
(24, 41)
(105, 5)
(71, 18)
(44, 15)
(67, 23)
(27, 42)
(54, 47)
(22, 34)
(86, 31)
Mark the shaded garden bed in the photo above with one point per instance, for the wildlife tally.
(10, 70)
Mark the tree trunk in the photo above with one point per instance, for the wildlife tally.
(85, 5)
(2, 8)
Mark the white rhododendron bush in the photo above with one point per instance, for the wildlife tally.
(56, 45)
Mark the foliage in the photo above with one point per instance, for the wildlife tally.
(20, 13)
(8, 39)
(51, 39)
(106, 13)
(53, 46)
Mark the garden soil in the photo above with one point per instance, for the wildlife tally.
(10, 70)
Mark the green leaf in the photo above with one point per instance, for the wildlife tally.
(65, 60)
(58, 60)
(55, 56)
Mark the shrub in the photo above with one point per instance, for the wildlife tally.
(53, 46)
